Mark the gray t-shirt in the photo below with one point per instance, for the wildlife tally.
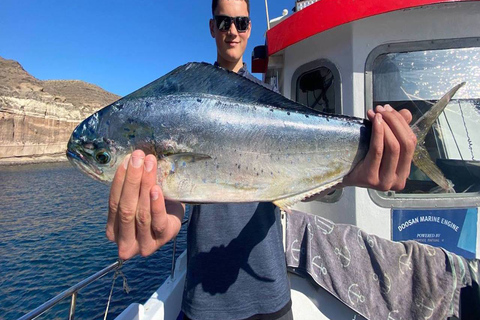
(235, 262)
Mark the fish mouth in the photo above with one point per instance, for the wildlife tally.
(79, 160)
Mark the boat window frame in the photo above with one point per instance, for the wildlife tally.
(390, 199)
(335, 195)
(317, 64)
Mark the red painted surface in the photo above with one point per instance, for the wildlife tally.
(259, 65)
(327, 14)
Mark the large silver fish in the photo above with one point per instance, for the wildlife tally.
(220, 137)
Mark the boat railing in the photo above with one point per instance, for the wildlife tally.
(73, 291)
(174, 261)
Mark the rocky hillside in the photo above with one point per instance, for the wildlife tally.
(37, 117)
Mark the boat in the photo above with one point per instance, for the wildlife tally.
(345, 57)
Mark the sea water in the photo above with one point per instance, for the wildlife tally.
(52, 235)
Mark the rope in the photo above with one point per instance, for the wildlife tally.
(126, 288)
(453, 136)
(470, 144)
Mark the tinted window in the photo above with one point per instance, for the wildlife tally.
(416, 80)
(316, 89)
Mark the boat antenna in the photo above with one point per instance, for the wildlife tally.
(268, 19)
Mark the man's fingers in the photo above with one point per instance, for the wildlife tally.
(387, 163)
(388, 168)
(397, 121)
(406, 140)
(149, 179)
(115, 192)
(166, 217)
(176, 212)
(159, 213)
(407, 115)
(127, 207)
(374, 156)
(371, 114)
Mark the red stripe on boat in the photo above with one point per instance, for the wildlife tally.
(327, 14)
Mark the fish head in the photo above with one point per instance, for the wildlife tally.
(94, 154)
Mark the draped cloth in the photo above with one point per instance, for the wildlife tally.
(379, 278)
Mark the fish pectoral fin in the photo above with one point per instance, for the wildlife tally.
(286, 203)
(422, 160)
(168, 165)
(188, 157)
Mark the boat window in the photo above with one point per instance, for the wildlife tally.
(415, 80)
(316, 90)
(317, 85)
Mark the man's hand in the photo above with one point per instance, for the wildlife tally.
(387, 163)
(140, 220)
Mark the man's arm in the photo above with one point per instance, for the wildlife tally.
(140, 220)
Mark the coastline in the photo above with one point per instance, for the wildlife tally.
(51, 158)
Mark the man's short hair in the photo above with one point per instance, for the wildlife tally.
(215, 5)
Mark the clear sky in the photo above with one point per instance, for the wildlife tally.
(120, 45)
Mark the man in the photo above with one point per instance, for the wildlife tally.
(236, 267)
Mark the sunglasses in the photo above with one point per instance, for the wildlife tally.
(224, 22)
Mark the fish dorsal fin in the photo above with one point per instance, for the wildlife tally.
(203, 78)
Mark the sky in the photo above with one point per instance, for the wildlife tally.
(119, 45)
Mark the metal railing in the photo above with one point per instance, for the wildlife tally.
(72, 291)
(174, 261)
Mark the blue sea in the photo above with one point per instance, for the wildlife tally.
(52, 235)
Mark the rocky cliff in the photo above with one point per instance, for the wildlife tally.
(37, 117)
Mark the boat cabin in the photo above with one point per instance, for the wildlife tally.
(346, 57)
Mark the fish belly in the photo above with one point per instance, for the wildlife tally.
(257, 153)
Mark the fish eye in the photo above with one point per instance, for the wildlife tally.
(102, 156)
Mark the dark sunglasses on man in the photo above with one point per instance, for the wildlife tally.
(224, 22)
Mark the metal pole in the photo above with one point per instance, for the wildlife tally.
(174, 261)
(172, 273)
(268, 19)
(73, 303)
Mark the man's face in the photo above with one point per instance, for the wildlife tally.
(231, 44)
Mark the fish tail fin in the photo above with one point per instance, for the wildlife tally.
(421, 158)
